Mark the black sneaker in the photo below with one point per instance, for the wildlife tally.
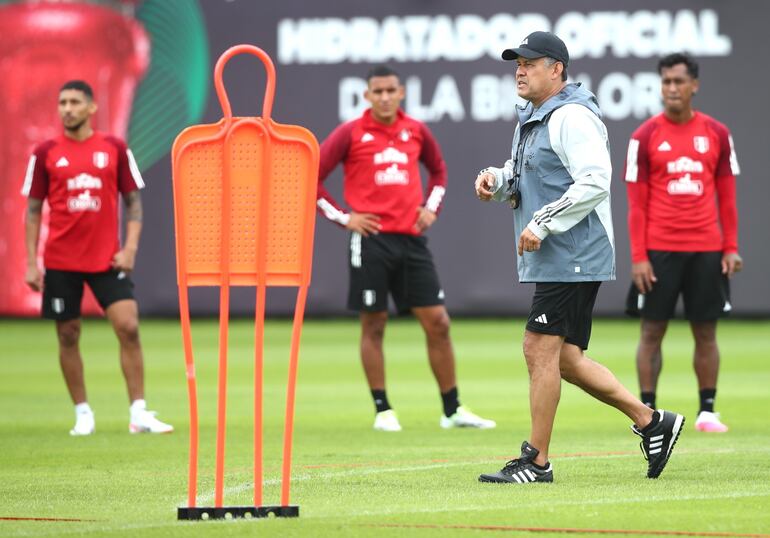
(521, 470)
(658, 440)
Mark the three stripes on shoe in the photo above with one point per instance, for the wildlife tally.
(526, 475)
(656, 444)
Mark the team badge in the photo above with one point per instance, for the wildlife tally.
(57, 305)
(701, 143)
(404, 135)
(101, 159)
(370, 297)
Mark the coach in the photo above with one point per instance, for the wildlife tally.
(558, 183)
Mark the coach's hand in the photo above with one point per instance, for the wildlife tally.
(731, 264)
(528, 242)
(485, 183)
(425, 219)
(124, 260)
(643, 276)
(364, 223)
(34, 278)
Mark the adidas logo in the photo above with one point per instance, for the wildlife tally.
(524, 476)
(542, 319)
(62, 162)
(664, 146)
(656, 444)
(368, 137)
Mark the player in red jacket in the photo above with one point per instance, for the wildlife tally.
(80, 174)
(683, 222)
(381, 152)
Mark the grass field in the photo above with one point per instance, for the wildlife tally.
(352, 481)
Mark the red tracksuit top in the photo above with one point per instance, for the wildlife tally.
(381, 171)
(680, 180)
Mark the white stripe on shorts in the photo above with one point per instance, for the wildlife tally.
(355, 249)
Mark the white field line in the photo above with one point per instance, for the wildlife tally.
(208, 496)
(103, 527)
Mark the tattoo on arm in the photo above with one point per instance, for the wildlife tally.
(133, 206)
(34, 207)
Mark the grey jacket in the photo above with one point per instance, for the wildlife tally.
(564, 174)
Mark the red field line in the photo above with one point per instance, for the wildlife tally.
(567, 530)
(55, 519)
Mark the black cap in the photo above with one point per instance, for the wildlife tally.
(538, 45)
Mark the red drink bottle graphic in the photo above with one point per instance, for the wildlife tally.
(43, 45)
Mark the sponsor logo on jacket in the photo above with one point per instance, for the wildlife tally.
(392, 175)
(391, 155)
(684, 165)
(83, 181)
(84, 202)
(685, 185)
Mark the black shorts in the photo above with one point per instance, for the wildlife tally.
(564, 309)
(63, 291)
(696, 275)
(397, 264)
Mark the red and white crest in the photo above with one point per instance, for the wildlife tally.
(701, 143)
(101, 159)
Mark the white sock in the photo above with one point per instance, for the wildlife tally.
(83, 409)
(138, 405)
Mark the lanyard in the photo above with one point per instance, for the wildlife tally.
(518, 162)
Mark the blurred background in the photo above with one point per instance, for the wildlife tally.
(150, 63)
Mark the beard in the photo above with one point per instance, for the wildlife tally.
(76, 127)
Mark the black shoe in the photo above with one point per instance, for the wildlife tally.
(521, 470)
(658, 440)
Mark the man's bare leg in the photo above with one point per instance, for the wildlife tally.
(70, 360)
(124, 316)
(541, 352)
(435, 322)
(372, 356)
(597, 380)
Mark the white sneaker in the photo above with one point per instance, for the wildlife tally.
(709, 422)
(143, 421)
(464, 418)
(84, 424)
(387, 421)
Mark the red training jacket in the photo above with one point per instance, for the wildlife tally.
(381, 169)
(680, 180)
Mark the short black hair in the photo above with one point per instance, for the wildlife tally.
(78, 85)
(677, 58)
(381, 71)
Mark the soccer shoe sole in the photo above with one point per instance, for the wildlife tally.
(496, 479)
